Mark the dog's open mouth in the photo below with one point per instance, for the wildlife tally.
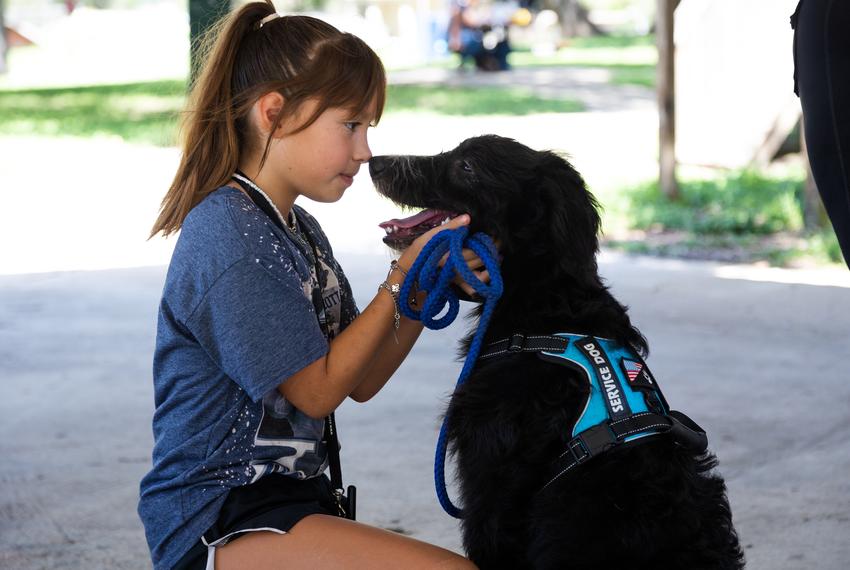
(402, 232)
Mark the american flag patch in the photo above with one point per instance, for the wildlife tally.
(633, 370)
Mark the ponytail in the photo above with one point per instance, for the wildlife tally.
(298, 56)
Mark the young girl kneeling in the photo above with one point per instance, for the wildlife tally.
(258, 336)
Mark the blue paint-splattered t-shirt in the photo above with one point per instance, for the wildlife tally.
(236, 320)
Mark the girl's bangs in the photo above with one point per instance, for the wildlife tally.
(359, 80)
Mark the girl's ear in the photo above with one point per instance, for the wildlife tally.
(266, 111)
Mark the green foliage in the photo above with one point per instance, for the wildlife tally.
(473, 101)
(740, 217)
(743, 203)
(824, 246)
(140, 112)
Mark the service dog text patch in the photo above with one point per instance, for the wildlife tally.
(614, 398)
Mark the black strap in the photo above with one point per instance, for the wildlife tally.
(608, 435)
(519, 342)
(330, 434)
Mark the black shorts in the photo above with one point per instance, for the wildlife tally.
(275, 502)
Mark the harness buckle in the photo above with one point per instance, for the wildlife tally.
(598, 439)
(578, 444)
(517, 343)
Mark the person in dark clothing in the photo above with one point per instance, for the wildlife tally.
(822, 81)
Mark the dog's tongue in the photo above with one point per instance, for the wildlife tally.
(422, 217)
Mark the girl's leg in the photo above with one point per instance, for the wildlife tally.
(322, 541)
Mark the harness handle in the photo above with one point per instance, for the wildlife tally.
(687, 433)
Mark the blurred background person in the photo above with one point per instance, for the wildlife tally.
(478, 31)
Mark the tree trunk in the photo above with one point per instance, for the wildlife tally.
(4, 43)
(202, 15)
(575, 18)
(666, 92)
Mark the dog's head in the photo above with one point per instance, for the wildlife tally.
(533, 202)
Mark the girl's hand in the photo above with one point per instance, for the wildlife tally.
(476, 265)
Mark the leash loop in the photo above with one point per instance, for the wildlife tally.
(427, 275)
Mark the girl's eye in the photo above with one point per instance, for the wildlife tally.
(351, 125)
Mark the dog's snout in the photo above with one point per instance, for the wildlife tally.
(377, 164)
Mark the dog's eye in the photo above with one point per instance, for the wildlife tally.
(466, 166)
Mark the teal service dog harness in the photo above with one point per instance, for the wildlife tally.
(624, 402)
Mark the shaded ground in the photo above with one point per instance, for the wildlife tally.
(755, 362)
(753, 355)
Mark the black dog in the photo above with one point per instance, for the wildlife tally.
(650, 503)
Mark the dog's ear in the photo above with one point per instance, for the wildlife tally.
(572, 211)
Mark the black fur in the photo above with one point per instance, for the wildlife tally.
(649, 504)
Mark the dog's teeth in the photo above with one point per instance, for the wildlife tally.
(395, 228)
(444, 222)
(388, 230)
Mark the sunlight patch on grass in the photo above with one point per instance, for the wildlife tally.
(473, 101)
(139, 112)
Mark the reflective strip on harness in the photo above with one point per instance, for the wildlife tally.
(612, 395)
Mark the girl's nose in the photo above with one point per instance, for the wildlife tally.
(362, 152)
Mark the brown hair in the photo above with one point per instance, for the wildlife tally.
(300, 57)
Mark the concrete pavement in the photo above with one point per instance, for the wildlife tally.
(760, 364)
(755, 355)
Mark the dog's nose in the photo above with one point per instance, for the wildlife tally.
(377, 164)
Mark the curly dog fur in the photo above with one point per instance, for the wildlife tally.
(649, 504)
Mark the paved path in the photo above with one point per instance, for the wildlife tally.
(591, 86)
(758, 363)
(757, 356)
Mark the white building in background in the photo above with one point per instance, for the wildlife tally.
(734, 78)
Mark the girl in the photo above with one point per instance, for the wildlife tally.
(258, 336)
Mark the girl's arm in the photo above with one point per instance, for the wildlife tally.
(391, 353)
(389, 356)
(319, 388)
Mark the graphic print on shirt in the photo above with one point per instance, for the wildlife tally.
(330, 315)
(301, 455)
(282, 425)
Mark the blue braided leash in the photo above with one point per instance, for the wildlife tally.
(428, 276)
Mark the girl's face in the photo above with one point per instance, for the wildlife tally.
(320, 161)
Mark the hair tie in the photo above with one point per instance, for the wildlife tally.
(268, 19)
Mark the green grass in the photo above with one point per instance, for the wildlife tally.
(630, 59)
(139, 112)
(148, 113)
(613, 41)
(740, 216)
(740, 203)
(473, 101)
